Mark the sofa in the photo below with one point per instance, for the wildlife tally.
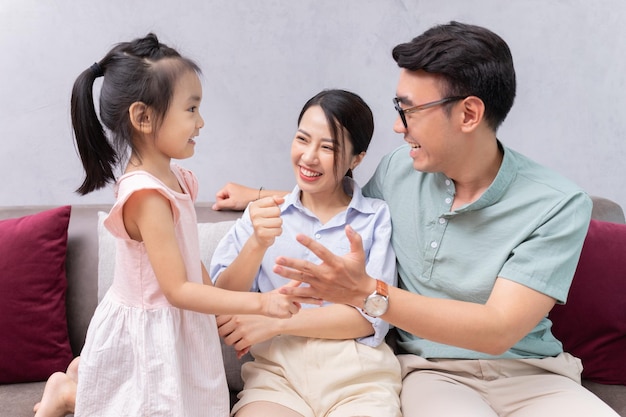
(57, 311)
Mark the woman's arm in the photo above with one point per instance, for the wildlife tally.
(335, 321)
(267, 225)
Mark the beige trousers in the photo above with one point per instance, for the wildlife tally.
(497, 388)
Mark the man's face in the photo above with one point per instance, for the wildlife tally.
(430, 131)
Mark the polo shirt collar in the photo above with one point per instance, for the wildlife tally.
(504, 178)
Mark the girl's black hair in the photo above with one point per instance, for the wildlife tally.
(348, 116)
(142, 70)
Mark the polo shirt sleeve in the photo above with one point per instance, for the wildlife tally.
(546, 260)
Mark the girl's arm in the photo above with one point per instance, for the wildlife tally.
(148, 217)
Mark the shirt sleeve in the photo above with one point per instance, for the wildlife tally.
(380, 264)
(374, 187)
(230, 245)
(546, 260)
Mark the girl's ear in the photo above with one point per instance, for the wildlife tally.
(141, 117)
(356, 160)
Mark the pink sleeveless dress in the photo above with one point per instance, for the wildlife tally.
(142, 356)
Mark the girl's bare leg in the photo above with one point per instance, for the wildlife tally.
(59, 394)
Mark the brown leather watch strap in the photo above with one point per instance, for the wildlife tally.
(382, 288)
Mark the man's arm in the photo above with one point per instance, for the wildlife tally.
(236, 196)
(511, 311)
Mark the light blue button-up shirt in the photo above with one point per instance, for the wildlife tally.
(368, 216)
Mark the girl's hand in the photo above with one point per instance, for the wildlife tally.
(278, 305)
(275, 304)
(265, 217)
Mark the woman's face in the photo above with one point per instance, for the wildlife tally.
(313, 156)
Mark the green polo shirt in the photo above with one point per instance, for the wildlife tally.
(527, 227)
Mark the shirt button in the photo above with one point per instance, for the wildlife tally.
(448, 182)
(433, 244)
(318, 236)
(448, 200)
(442, 220)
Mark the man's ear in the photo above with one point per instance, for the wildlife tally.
(141, 117)
(473, 113)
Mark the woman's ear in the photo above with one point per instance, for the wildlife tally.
(356, 160)
(141, 117)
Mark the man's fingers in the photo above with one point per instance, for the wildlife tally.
(356, 242)
(305, 295)
(292, 269)
(317, 248)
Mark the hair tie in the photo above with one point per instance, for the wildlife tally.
(96, 69)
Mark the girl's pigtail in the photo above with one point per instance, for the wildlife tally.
(96, 153)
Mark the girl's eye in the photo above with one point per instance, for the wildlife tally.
(328, 147)
(193, 109)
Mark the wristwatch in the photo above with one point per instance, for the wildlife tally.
(376, 303)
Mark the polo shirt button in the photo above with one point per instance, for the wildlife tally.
(318, 236)
(442, 220)
(448, 200)
(448, 182)
(433, 244)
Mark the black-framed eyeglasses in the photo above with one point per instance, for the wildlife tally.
(402, 112)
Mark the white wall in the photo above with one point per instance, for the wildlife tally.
(263, 59)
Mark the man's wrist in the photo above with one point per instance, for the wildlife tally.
(376, 303)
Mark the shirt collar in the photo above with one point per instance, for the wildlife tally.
(502, 181)
(358, 201)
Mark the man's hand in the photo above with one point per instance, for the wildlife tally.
(339, 279)
(234, 197)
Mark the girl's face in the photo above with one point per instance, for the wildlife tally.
(182, 121)
(313, 157)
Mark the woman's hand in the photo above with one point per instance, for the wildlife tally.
(265, 217)
(243, 331)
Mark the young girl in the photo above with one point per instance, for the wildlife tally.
(152, 348)
(330, 360)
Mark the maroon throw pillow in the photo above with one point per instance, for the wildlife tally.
(33, 324)
(592, 323)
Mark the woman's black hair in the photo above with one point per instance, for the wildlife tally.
(348, 116)
(142, 70)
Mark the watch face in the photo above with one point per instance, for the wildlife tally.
(376, 305)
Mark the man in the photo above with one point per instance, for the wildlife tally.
(487, 241)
